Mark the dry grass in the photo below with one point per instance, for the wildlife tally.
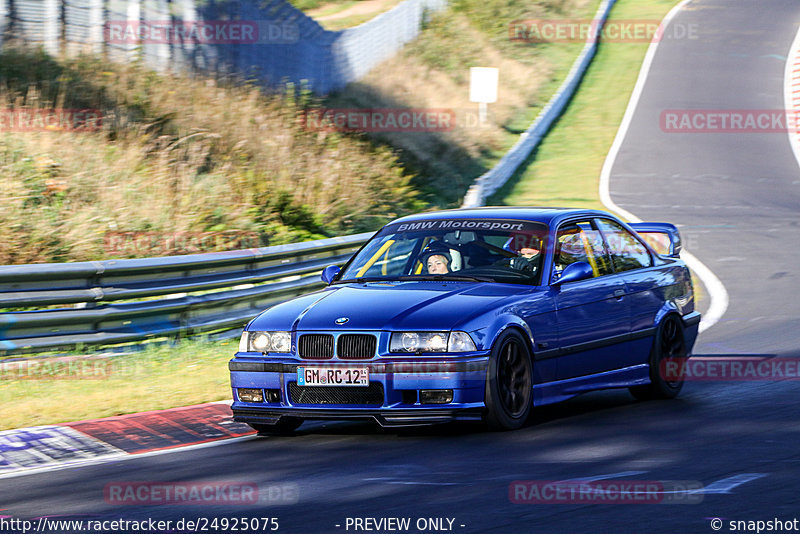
(177, 155)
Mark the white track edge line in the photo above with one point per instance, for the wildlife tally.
(715, 288)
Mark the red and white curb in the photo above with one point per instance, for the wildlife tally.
(791, 95)
(26, 451)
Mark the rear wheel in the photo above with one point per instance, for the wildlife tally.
(509, 387)
(669, 344)
(285, 425)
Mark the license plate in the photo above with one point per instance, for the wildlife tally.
(330, 376)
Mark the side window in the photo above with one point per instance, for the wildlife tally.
(581, 242)
(626, 251)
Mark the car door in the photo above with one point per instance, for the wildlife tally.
(631, 258)
(593, 314)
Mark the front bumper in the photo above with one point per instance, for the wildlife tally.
(399, 382)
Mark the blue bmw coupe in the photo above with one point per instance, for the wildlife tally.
(475, 314)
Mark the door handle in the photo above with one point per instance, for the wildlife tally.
(619, 293)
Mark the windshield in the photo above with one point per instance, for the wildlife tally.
(485, 250)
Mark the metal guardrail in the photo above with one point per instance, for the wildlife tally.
(492, 180)
(116, 301)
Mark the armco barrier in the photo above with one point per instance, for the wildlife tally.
(497, 176)
(115, 301)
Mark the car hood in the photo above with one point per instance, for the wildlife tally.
(388, 306)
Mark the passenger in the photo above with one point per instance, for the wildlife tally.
(439, 258)
(438, 264)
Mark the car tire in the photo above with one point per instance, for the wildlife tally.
(509, 383)
(284, 426)
(669, 343)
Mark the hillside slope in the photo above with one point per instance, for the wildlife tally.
(189, 164)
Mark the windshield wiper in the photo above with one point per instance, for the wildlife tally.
(362, 279)
(447, 277)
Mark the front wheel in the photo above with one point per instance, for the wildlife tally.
(284, 426)
(509, 384)
(669, 344)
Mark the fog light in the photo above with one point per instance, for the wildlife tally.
(435, 396)
(409, 396)
(250, 395)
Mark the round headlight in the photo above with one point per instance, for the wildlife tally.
(410, 341)
(438, 343)
(281, 341)
(260, 342)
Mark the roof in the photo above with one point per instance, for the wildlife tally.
(539, 214)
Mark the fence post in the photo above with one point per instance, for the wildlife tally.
(51, 26)
(5, 13)
(134, 16)
(95, 37)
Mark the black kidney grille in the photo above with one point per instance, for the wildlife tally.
(315, 346)
(356, 346)
(371, 395)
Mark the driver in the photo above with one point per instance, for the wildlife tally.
(528, 253)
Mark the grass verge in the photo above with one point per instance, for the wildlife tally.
(48, 391)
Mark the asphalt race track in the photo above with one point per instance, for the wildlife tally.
(737, 198)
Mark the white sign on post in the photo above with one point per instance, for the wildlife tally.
(483, 88)
(483, 84)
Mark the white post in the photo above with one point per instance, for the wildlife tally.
(483, 90)
(3, 19)
(51, 26)
(134, 16)
(96, 26)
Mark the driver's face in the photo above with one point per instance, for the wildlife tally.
(528, 252)
(437, 264)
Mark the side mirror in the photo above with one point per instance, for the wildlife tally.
(330, 273)
(580, 270)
